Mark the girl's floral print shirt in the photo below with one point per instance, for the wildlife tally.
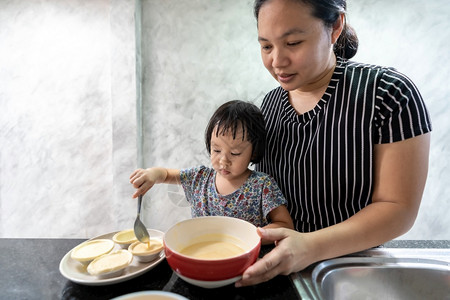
(251, 202)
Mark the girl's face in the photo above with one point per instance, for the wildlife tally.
(296, 47)
(230, 157)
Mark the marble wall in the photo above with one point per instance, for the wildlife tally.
(68, 122)
(67, 117)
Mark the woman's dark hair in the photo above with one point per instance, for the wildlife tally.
(234, 115)
(328, 11)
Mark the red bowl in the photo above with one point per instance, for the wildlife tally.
(188, 232)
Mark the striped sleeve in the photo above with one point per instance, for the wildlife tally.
(401, 112)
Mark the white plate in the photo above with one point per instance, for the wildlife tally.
(210, 284)
(76, 272)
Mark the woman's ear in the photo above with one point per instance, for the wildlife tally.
(337, 28)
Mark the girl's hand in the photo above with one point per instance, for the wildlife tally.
(291, 254)
(143, 180)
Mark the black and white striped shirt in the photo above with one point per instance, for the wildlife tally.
(323, 159)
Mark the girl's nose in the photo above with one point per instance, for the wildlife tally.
(224, 160)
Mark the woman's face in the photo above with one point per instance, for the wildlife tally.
(296, 47)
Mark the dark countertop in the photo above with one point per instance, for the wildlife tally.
(30, 270)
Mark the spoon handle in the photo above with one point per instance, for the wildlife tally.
(139, 205)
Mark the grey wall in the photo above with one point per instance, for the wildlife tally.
(67, 117)
(68, 101)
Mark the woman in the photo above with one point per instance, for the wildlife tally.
(348, 143)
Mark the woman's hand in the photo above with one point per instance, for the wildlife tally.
(291, 254)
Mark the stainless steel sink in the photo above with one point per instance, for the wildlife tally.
(379, 274)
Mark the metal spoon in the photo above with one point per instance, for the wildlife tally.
(140, 231)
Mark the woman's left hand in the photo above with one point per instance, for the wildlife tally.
(289, 255)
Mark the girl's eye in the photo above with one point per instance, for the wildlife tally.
(216, 151)
(266, 47)
(235, 154)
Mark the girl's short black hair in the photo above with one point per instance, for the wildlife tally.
(230, 116)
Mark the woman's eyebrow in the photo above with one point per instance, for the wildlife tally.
(287, 33)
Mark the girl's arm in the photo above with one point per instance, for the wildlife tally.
(280, 217)
(400, 171)
(144, 179)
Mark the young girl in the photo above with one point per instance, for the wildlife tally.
(235, 137)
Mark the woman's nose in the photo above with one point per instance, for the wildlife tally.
(279, 58)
